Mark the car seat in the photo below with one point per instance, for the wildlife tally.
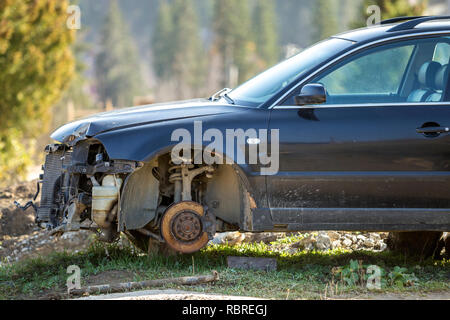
(440, 84)
(427, 80)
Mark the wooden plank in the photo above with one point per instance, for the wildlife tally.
(246, 263)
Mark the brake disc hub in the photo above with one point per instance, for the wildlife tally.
(186, 226)
(182, 227)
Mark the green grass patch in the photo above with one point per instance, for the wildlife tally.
(302, 275)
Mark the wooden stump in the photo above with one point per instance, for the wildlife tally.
(155, 247)
(149, 245)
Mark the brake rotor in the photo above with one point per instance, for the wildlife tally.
(182, 227)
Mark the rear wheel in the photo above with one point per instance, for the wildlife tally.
(447, 245)
(423, 244)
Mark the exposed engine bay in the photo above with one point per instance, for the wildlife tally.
(181, 206)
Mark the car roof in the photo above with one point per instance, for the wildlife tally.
(385, 31)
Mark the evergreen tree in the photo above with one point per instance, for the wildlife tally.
(75, 91)
(265, 32)
(117, 63)
(76, 96)
(187, 64)
(36, 66)
(232, 38)
(162, 48)
(391, 9)
(324, 19)
(293, 16)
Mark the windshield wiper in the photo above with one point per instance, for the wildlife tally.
(219, 94)
(227, 97)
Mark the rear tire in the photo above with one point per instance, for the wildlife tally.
(447, 245)
(423, 244)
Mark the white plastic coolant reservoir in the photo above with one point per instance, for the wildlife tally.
(104, 197)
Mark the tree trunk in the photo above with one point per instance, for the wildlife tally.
(129, 286)
(423, 244)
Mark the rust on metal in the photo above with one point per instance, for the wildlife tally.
(182, 227)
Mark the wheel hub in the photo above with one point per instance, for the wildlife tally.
(186, 226)
(182, 227)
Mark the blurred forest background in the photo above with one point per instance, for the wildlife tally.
(146, 51)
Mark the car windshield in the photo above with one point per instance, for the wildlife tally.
(265, 85)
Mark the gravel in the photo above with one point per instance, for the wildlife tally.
(317, 241)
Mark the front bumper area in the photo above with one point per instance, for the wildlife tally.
(69, 176)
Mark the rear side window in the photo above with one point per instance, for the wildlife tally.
(442, 53)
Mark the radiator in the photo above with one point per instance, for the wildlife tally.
(55, 161)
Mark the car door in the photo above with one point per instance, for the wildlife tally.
(376, 155)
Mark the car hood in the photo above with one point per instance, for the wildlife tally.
(136, 116)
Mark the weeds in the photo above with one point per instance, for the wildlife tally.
(300, 275)
(400, 278)
(374, 277)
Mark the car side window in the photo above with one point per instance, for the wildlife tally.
(442, 53)
(378, 73)
(407, 71)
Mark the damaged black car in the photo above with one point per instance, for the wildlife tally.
(350, 134)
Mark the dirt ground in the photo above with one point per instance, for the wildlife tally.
(184, 295)
(20, 238)
(164, 295)
(171, 294)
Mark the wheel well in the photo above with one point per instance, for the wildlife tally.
(224, 193)
(227, 197)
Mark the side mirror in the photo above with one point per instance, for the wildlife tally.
(313, 93)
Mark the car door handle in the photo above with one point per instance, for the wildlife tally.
(433, 130)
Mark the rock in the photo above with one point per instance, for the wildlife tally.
(369, 243)
(383, 246)
(347, 242)
(230, 238)
(361, 238)
(336, 244)
(333, 235)
(249, 263)
(291, 251)
(6, 195)
(307, 243)
(265, 237)
(323, 242)
(375, 236)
